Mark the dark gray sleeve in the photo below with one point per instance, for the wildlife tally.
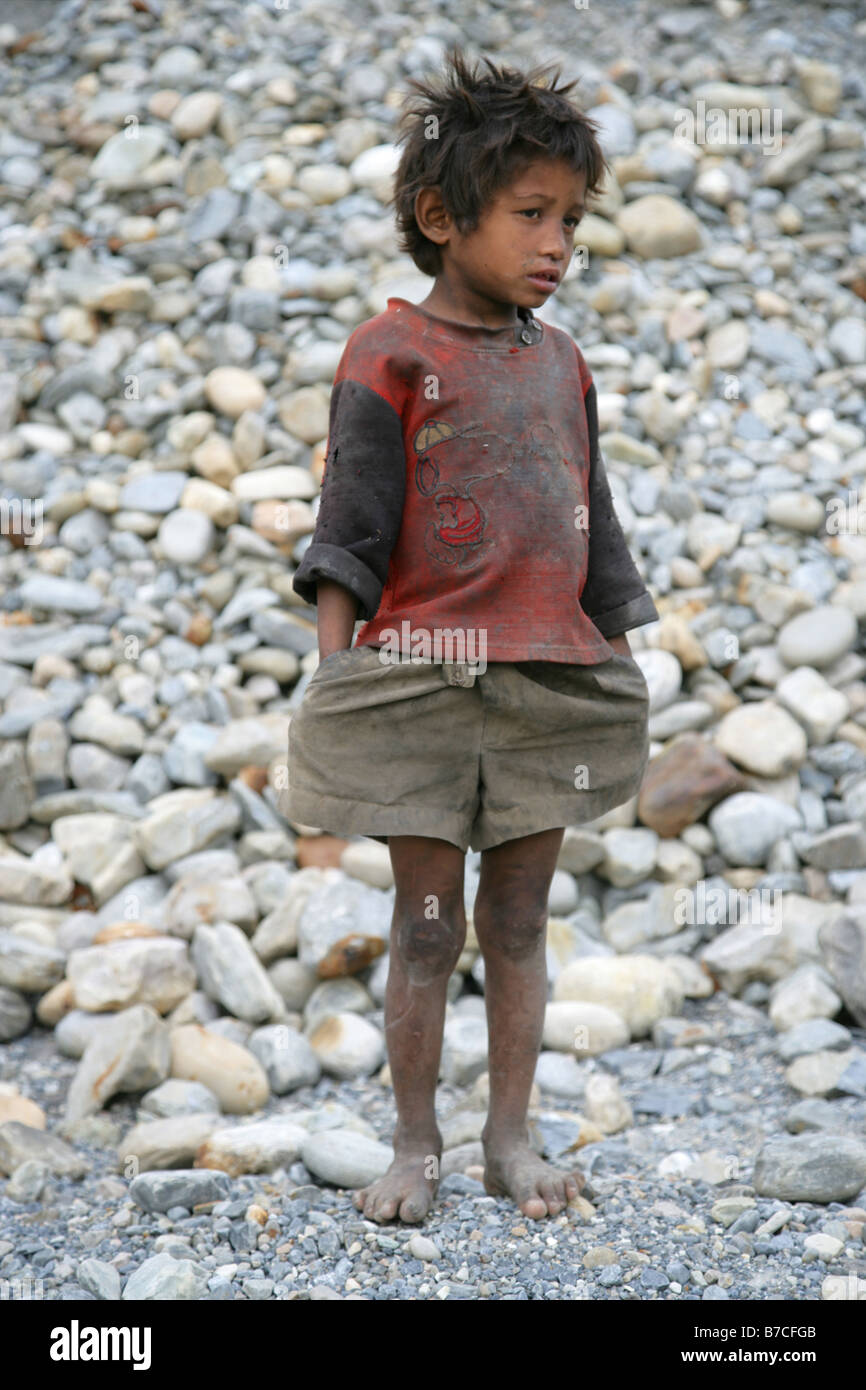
(614, 596)
(361, 507)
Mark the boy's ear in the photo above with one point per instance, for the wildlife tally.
(432, 216)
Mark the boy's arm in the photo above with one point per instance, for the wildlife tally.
(614, 597)
(344, 568)
(335, 617)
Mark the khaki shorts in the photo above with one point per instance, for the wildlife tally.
(473, 757)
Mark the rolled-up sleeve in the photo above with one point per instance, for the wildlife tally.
(361, 506)
(614, 597)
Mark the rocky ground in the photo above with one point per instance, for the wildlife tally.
(193, 1072)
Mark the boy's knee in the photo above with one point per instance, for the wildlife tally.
(430, 947)
(514, 932)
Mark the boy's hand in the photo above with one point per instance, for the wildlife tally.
(336, 610)
(620, 644)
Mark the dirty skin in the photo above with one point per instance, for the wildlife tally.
(510, 916)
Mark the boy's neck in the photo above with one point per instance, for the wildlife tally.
(444, 303)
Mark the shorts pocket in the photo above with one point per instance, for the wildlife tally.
(337, 661)
(621, 675)
(342, 662)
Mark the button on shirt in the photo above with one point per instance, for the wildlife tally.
(464, 491)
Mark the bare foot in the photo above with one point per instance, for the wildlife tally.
(404, 1189)
(538, 1189)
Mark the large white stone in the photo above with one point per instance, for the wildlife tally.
(812, 700)
(153, 970)
(763, 738)
(348, 1045)
(583, 1029)
(640, 988)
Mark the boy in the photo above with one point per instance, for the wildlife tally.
(465, 505)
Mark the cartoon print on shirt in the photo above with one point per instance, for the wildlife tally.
(451, 463)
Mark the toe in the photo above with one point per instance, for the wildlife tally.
(533, 1206)
(386, 1209)
(414, 1209)
(550, 1196)
(369, 1203)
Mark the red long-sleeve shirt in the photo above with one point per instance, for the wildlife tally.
(464, 489)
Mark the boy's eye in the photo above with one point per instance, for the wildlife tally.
(531, 212)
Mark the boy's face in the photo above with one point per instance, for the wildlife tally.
(521, 247)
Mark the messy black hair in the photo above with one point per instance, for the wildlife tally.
(472, 133)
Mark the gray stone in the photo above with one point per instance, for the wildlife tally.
(185, 536)
(213, 215)
(166, 1143)
(345, 1159)
(341, 912)
(132, 1053)
(811, 1168)
(560, 1075)
(663, 675)
(100, 1279)
(183, 822)
(184, 1187)
(78, 1028)
(748, 824)
(803, 995)
(157, 492)
(29, 965)
(842, 846)
(847, 339)
(22, 1144)
(660, 1099)
(812, 1114)
(818, 637)
(175, 1097)
(343, 995)
(294, 982)
(120, 159)
(231, 973)
(28, 1181)
(15, 1014)
(853, 1079)
(287, 1057)
(812, 1036)
(843, 943)
(259, 1147)
(153, 970)
(464, 1050)
(163, 1279)
(55, 594)
(629, 855)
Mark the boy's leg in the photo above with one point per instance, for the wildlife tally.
(510, 917)
(427, 935)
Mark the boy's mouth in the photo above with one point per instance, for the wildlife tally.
(544, 279)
